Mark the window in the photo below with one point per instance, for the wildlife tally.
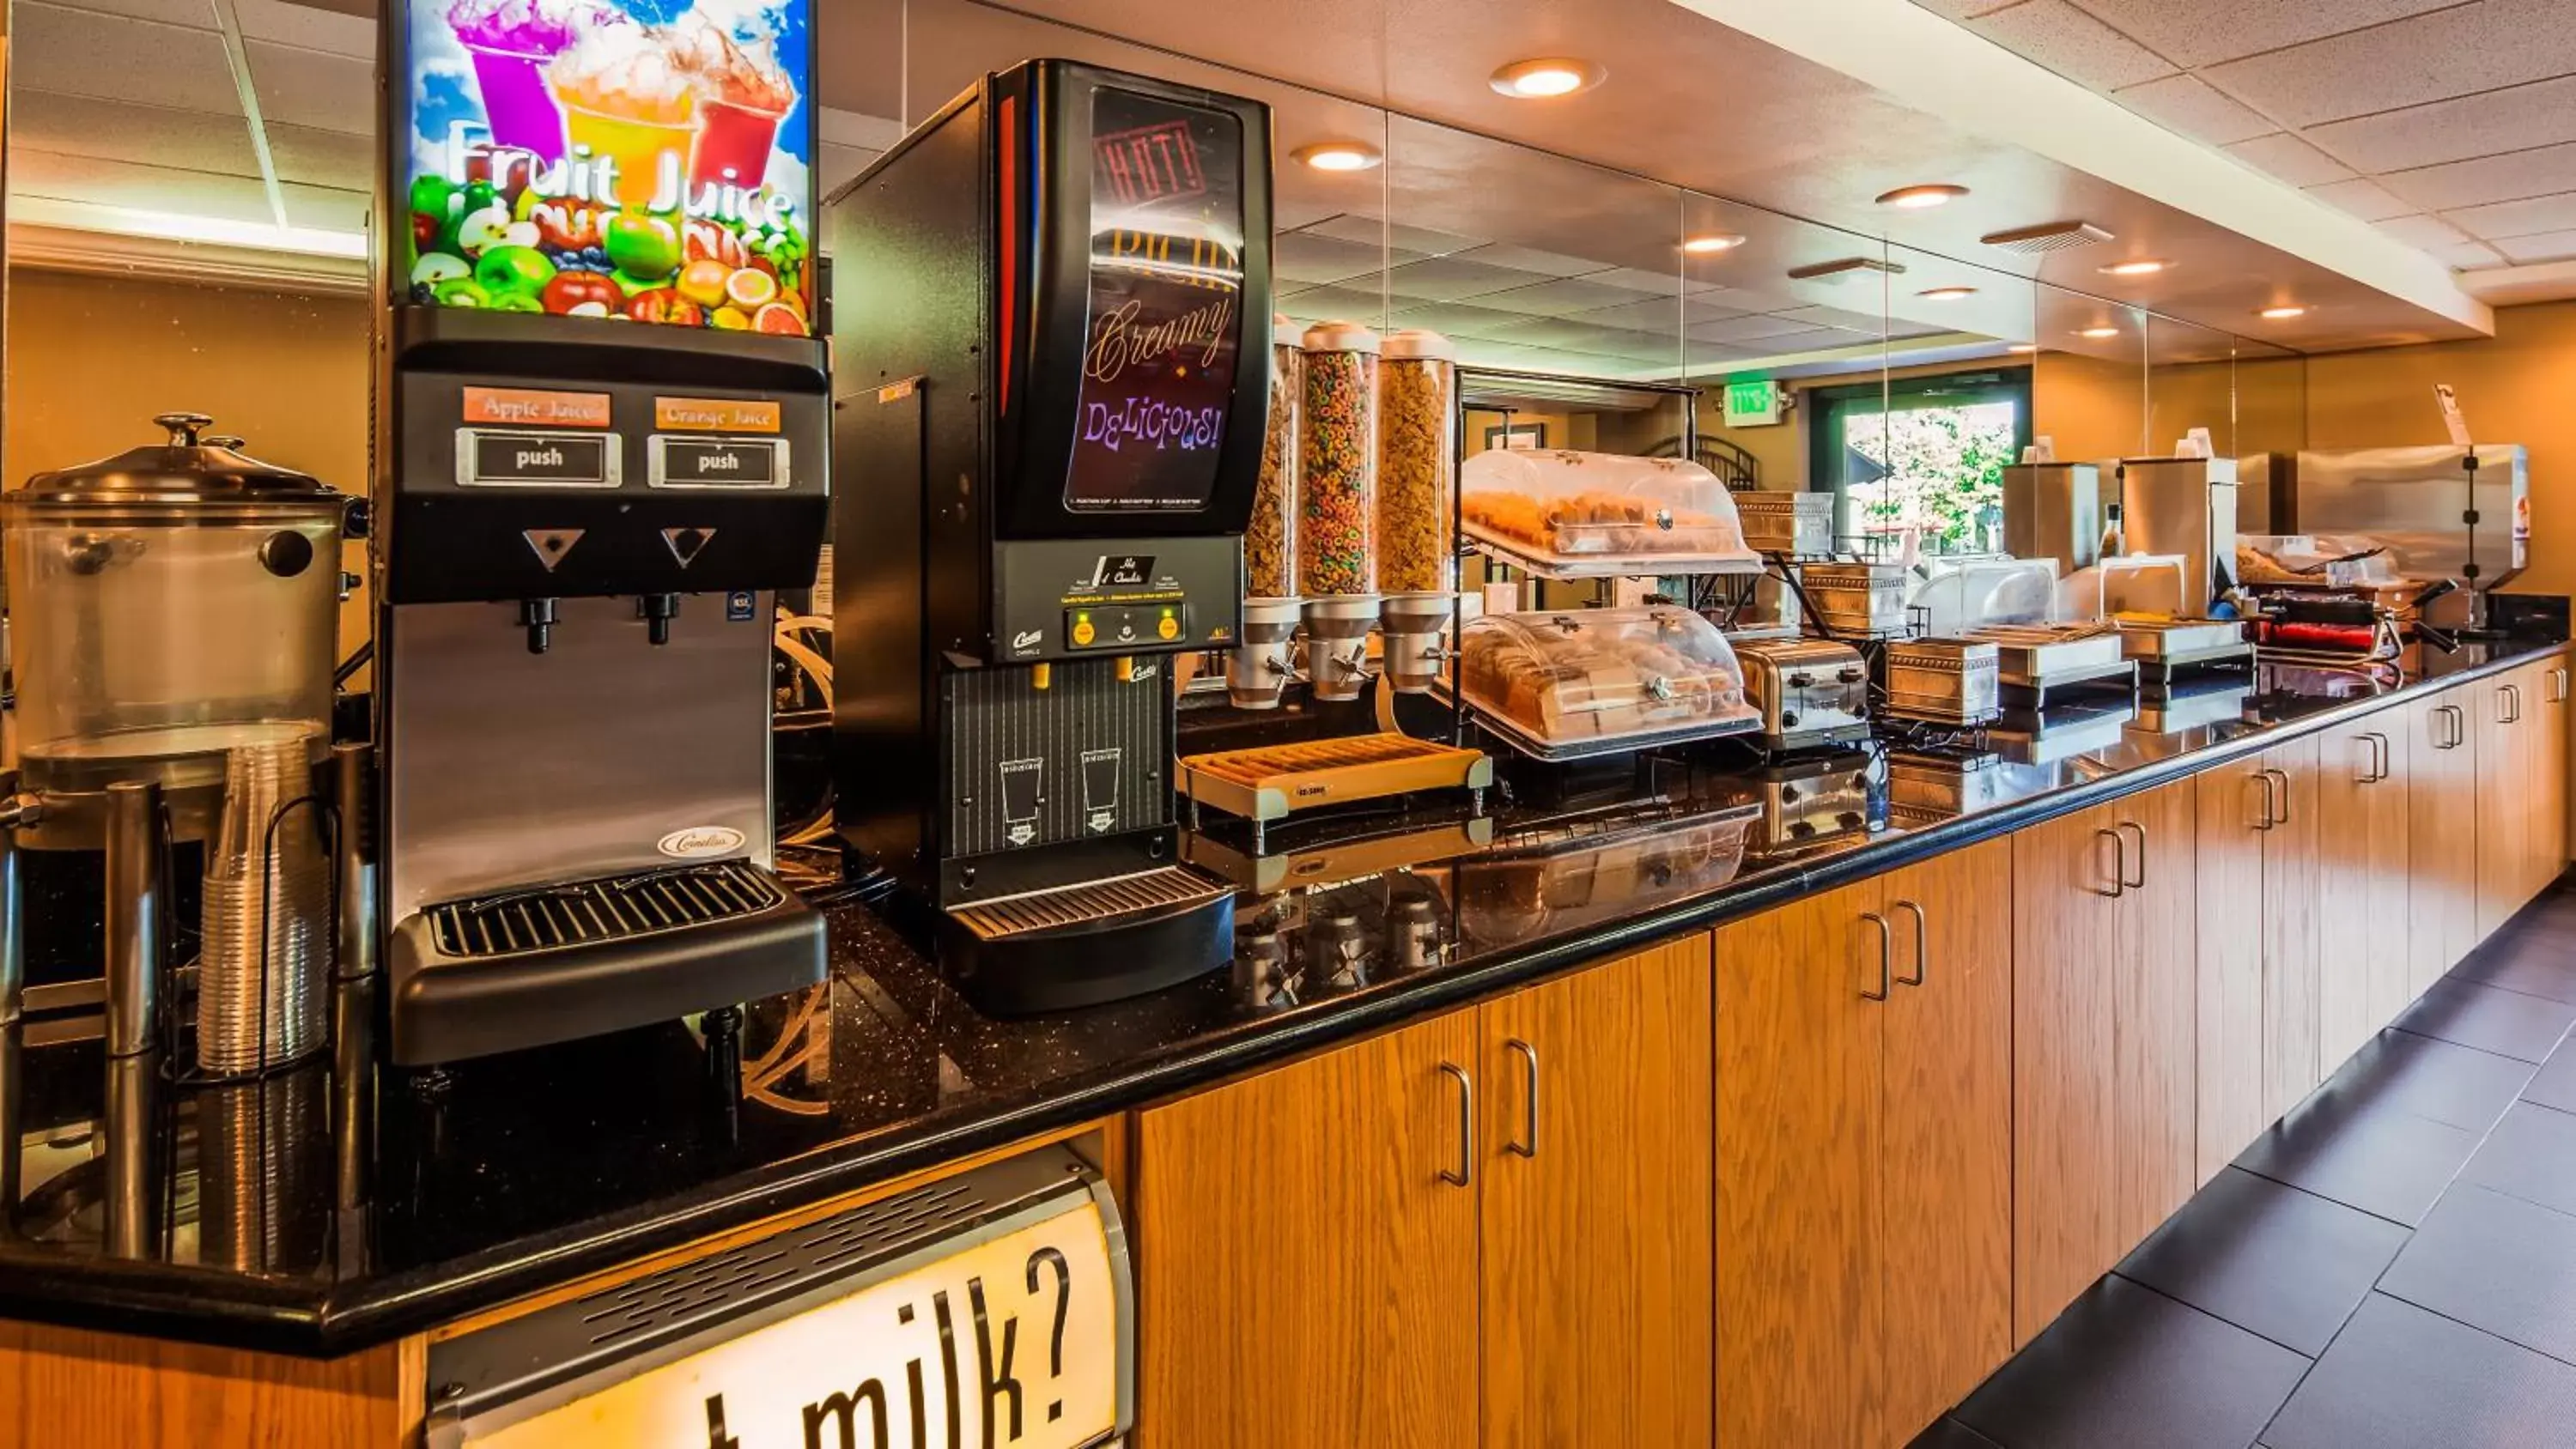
(1921, 455)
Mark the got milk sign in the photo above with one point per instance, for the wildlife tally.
(1010, 1329)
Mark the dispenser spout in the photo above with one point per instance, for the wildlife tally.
(658, 611)
(537, 616)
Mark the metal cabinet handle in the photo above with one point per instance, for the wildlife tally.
(2284, 817)
(2558, 683)
(2512, 694)
(1465, 1176)
(2264, 779)
(2459, 727)
(1922, 948)
(1886, 939)
(1529, 1071)
(2119, 867)
(2379, 747)
(2140, 882)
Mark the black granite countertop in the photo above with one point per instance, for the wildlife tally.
(257, 1215)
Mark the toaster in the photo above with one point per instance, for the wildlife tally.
(1810, 691)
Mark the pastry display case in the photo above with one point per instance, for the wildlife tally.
(1563, 686)
(1565, 514)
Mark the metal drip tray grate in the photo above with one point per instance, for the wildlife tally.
(610, 909)
(1172, 886)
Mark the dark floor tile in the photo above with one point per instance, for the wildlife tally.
(2128, 1368)
(2442, 1080)
(2496, 1263)
(2531, 1155)
(2283, 1263)
(2343, 1144)
(2508, 1023)
(2555, 1083)
(2539, 962)
(1951, 1434)
(2399, 1377)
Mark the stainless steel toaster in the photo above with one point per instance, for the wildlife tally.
(1810, 691)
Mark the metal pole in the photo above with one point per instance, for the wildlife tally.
(13, 937)
(137, 918)
(353, 779)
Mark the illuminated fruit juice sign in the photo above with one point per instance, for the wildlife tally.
(644, 160)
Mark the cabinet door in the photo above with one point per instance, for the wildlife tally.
(2442, 831)
(2232, 808)
(2156, 1026)
(2362, 889)
(1798, 1046)
(2292, 993)
(1305, 1274)
(1597, 1167)
(2067, 988)
(2503, 800)
(2547, 708)
(1945, 1138)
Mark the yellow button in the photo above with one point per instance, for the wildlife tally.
(1083, 633)
(1170, 628)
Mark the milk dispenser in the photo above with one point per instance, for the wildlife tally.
(1051, 326)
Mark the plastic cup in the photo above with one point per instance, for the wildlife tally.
(636, 146)
(516, 103)
(734, 139)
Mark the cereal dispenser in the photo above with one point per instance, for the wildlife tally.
(1417, 488)
(1337, 460)
(1258, 670)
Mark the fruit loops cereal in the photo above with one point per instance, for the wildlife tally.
(1270, 540)
(1337, 462)
(1417, 458)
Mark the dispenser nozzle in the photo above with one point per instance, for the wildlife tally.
(537, 616)
(658, 610)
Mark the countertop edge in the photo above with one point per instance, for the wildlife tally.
(180, 1303)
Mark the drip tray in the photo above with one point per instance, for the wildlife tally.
(571, 959)
(1088, 943)
(1091, 904)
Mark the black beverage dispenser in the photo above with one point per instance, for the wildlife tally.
(1051, 329)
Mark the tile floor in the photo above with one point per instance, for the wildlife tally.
(2393, 1266)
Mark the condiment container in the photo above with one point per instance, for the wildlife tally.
(1337, 462)
(1270, 539)
(1417, 479)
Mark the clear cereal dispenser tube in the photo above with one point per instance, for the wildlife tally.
(1337, 504)
(1417, 499)
(1270, 539)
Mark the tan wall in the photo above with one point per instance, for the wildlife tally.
(2087, 407)
(2515, 388)
(92, 358)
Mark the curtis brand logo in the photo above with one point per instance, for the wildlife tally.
(1028, 639)
(700, 840)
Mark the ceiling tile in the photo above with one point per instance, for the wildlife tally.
(1585, 337)
(2290, 159)
(1531, 259)
(80, 52)
(1845, 318)
(1299, 256)
(1819, 339)
(1446, 279)
(2426, 232)
(1755, 328)
(119, 131)
(1964, 9)
(2192, 106)
(2517, 218)
(325, 30)
(1558, 297)
(2540, 114)
(2469, 256)
(2458, 51)
(2194, 33)
(322, 158)
(313, 88)
(330, 210)
(195, 14)
(1663, 314)
(2547, 247)
(1370, 231)
(2510, 177)
(2362, 197)
(1653, 284)
(150, 188)
(1336, 304)
(2072, 43)
(1457, 319)
(836, 165)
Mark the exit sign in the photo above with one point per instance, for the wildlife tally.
(1752, 403)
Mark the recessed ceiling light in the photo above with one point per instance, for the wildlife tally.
(1555, 75)
(2023, 347)
(1339, 155)
(2281, 313)
(2136, 267)
(2097, 333)
(1700, 246)
(1946, 294)
(1915, 198)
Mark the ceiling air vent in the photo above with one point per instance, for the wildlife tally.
(2051, 236)
(1836, 270)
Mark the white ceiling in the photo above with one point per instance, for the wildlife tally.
(2451, 126)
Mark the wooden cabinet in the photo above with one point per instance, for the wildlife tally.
(1490, 1228)
(1864, 1166)
(2260, 991)
(2513, 837)
(2442, 829)
(2363, 775)
(1306, 1274)
(2549, 745)
(2104, 1039)
(1594, 1179)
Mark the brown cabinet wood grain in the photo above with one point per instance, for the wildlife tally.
(2500, 709)
(1597, 1196)
(2363, 893)
(2442, 829)
(2293, 992)
(2550, 686)
(1865, 1160)
(2232, 801)
(1306, 1274)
